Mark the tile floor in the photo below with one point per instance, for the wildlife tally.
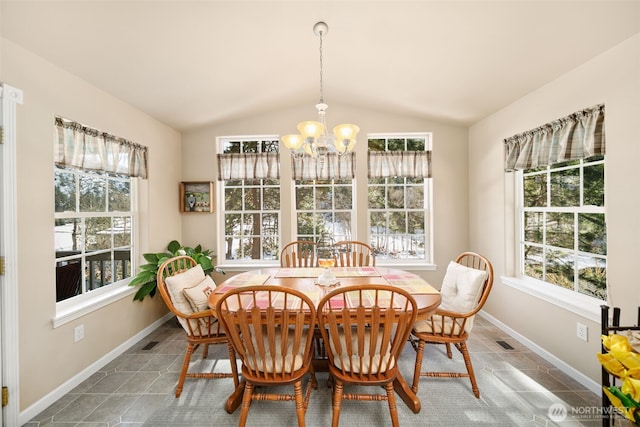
(141, 381)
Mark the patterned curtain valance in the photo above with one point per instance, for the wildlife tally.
(408, 164)
(331, 166)
(577, 136)
(89, 149)
(248, 166)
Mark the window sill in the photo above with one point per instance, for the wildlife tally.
(382, 263)
(67, 311)
(246, 266)
(582, 305)
(404, 265)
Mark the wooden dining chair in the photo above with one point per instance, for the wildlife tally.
(271, 331)
(366, 328)
(352, 253)
(299, 253)
(465, 289)
(184, 288)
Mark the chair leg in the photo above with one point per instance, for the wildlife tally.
(185, 368)
(467, 361)
(312, 377)
(246, 403)
(393, 409)
(449, 354)
(205, 351)
(234, 364)
(300, 407)
(418, 365)
(337, 402)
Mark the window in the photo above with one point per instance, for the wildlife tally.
(399, 194)
(93, 228)
(250, 209)
(560, 224)
(324, 207)
(563, 228)
(94, 221)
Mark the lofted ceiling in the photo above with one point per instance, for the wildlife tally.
(191, 63)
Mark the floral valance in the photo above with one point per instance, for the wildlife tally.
(408, 164)
(82, 147)
(248, 166)
(577, 136)
(329, 166)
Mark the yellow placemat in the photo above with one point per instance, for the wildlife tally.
(242, 280)
(411, 283)
(299, 272)
(355, 271)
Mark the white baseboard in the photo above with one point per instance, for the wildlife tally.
(564, 367)
(42, 404)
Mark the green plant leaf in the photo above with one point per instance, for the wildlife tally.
(162, 258)
(143, 277)
(206, 264)
(151, 258)
(146, 289)
(173, 246)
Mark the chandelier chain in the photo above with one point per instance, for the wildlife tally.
(321, 85)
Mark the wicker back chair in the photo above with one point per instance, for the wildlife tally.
(365, 328)
(182, 272)
(271, 330)
(352, 253)
(450, 325)
(299, 253)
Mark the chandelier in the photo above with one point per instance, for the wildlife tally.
(313, 139)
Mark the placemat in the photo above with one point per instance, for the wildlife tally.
(411, 283)
(242, 280)
(337, 271)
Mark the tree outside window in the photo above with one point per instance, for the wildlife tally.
(564, 234)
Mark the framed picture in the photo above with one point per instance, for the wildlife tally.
(196, 197)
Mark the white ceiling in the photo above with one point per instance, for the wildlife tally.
(193, 63)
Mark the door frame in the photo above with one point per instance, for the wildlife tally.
(9, 353)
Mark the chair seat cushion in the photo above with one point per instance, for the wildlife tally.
(461, 288)
(290, 362)
(442, 328)
(360, 361)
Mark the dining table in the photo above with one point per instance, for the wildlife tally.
(305, 279)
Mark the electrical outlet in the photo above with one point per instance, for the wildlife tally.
(78, 333)
(582, 332)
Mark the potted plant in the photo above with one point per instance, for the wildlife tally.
(146, 278)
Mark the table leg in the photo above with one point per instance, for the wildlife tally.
(401, 387)
(236, 398)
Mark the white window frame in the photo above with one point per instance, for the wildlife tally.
(83, 304)
(573, 301)
(413, 264)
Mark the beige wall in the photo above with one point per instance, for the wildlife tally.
(450, 175)
(612, 78)
(49, 91)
